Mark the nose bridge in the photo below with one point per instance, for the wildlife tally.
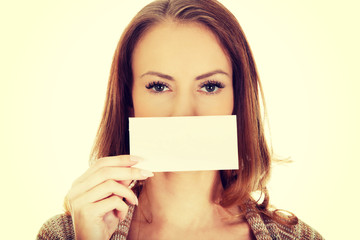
(184, 104)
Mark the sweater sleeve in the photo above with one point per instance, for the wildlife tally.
(59, 227)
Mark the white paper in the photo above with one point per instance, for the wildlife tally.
(196, 143)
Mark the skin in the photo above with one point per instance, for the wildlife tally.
(179, 70)
(193, 77)
(96, 197)
(184, 54)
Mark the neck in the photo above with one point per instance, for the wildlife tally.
(182, 198)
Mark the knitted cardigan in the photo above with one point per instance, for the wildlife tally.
(264, 228)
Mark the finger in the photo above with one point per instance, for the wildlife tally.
(109, 204)
(105, 190)
(107, 173)
(117, 174)
(118, 161)
(112, 161)
(129, 184)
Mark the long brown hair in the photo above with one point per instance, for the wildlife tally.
(254, 156)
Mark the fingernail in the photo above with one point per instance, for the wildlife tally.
(135, 158)
(132, 184)
(146, 173)
(136, 202)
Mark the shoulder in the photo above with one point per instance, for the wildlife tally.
(266, 224)
(300, 230)
(57, 227)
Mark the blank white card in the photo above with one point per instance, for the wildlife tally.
(196, 143)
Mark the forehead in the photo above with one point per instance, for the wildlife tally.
(174, 47)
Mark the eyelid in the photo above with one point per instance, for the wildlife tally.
(219, 84)
(151, 84)
(216, 83)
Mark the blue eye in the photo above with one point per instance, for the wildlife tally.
(157, 86)
(211, 86)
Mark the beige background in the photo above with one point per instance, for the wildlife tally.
(55, 59)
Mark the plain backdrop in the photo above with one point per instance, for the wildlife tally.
(55, 59)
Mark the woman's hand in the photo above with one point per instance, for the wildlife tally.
(96, 198)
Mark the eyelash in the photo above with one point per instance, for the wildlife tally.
(150, 85)
(213, 83)
(217, 84)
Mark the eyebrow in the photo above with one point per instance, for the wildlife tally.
(168, 77)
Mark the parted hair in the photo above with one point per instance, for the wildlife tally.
(254, 155)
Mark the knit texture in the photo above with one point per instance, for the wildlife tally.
(60, 227)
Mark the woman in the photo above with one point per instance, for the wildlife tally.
(177, 58)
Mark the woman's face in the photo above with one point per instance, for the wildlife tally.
(181, 70)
